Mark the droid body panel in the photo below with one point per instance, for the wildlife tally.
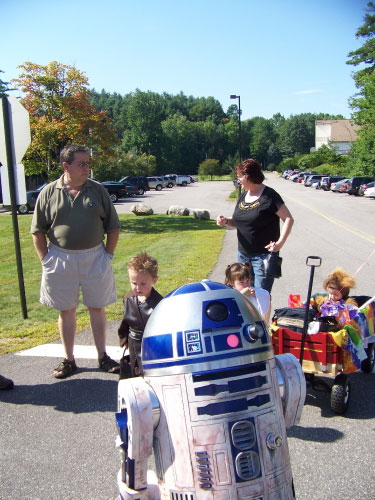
(211, 398)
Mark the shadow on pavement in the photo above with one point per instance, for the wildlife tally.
(73, 395)
(318, 434)
(362, 397)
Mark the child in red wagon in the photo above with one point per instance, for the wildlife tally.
(337, 304)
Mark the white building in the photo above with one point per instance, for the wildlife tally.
(337, 134)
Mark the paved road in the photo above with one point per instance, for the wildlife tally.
(57, 437)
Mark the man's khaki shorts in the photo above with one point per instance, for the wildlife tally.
(64, 272)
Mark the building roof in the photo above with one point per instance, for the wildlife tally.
(341, 130)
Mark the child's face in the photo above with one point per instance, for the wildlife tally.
(241, 284)
(141, 282)
(334, 293)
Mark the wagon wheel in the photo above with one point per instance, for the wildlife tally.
(340, 394)
(368, 364)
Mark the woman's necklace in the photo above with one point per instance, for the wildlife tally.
(250, 197)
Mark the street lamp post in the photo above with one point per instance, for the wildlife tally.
(239, 125)
(233, 96)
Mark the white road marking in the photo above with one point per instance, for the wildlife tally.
(80, 351)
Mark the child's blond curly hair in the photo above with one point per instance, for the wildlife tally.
(144, 263)
(340, 279)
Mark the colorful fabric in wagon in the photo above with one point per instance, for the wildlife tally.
(354, 335)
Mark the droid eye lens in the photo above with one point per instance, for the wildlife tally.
(217, 311)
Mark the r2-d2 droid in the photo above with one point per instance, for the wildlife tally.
(209, 407)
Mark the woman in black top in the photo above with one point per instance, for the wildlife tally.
(257, 220)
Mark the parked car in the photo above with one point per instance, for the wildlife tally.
(31, 197)
(305, 176)
(312, 178)
(302, 176)
(344, 187)
(327, 181)
(172, 178)
(139, 181)
(363, 187)
(181, 180)
(115, 189)
(155, 183)
(335, 186)
(369, 192)
(293, 176)
(286, 173)
(355, 182)
(170, 181)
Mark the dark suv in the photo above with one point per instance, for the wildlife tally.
(139, 181)
(355, 182)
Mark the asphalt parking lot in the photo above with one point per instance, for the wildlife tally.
(57, 437)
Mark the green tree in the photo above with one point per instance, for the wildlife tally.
(366, 53)
(209, 167)
(127, 163)
(180, 150)
(145, 113)
(263, 135)
(296, 134)
(57, 100)
(363, 102)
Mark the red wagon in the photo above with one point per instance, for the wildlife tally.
(321, 356)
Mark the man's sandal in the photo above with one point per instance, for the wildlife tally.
(65, 369)
(108, 364)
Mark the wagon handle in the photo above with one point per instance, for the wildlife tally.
(313, 257)
(309, 262)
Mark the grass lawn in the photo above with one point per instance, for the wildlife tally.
(186, 249)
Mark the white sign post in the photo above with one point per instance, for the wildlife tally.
(20, 139)
(14, 140)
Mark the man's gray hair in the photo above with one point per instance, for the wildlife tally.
(67, 153)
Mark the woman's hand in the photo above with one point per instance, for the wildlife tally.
(224, 221)
(288, 222)
(273, 246)
(221, 220)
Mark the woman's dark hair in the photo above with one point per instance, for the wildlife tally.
(252, 169)
(237, 271)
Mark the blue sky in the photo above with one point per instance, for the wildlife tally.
(286, 56)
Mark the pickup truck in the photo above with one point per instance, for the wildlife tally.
(181, 180)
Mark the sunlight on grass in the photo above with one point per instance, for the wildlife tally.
(186, 250)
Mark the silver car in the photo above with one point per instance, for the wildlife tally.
(156, 183)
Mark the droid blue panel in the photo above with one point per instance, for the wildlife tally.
(212, 285)
(227, 342)
(157, 347)
(223, 313)
(193, 342)
(190, 288)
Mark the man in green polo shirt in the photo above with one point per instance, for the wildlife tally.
(72, 218)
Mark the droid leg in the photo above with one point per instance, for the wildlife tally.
(135, 423)
(292, 386)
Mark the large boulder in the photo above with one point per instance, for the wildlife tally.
(200, 213)
(178, 210)
(141, 209)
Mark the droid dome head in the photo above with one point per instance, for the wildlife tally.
(203, 326)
